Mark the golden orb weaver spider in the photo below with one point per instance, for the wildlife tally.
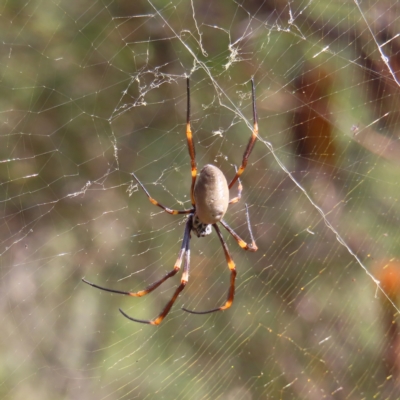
(210, 199)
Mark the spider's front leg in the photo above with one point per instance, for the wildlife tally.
(232, 268)
(229, 260)
(185, 251)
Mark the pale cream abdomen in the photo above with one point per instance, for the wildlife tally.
(211, 194)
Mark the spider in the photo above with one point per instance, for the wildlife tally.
(209, 195)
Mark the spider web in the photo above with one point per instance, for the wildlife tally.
(93, 91)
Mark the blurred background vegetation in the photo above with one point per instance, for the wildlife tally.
(92, 91)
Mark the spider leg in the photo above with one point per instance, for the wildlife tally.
(189, 137)
(239, 194)
(252, 139)
(149, 288)
(232, 268)
(156, 203)
(156, 284)
(185, 250)
(240, 241)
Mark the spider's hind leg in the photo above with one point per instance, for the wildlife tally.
(245, 246)
(239, 192)
(252, 139)
(190, 143)
(156, 203)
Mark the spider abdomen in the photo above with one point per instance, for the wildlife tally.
(211, 194)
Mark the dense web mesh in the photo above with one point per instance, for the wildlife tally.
(93, 91)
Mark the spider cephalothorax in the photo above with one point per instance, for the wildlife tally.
(210, 199)
(199, 228)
